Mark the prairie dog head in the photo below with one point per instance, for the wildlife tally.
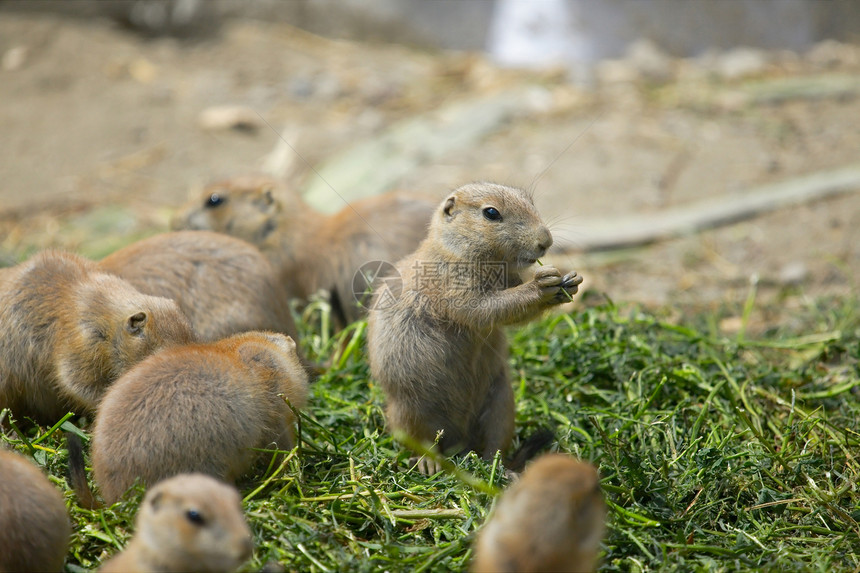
(552, 519)
(244, 207)
(273, 357)
(487, 221)
(115, 328)
(193, 522)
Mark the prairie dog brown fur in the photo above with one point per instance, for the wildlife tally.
(67, 331)
(198, 408)
(552, 519)
(435, 339)
(190, 522)
(223, 285)
(311, 251)
(34, 525)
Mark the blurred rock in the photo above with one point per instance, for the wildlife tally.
(536, 35)
(741, 63)
(300, 87)
(616, 71)
(14, 58)
(281, 161)
(793, 273)
(650, 61)
(371, 166)
(142, 70)
(443, 23)
(162, 17)
(225, 117)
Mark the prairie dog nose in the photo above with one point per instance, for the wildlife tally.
(544, 240)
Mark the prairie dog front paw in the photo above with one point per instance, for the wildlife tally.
(569, 286)
(549, 282)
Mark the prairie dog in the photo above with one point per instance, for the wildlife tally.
(67, 331)
(435, 338)
(223, 284)
(34, 525)
(198, 408)
(310, 250)
(552, 519)
(190, 522)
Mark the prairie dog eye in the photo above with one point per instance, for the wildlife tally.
(492, 214)
(214, 200)
(194, 517)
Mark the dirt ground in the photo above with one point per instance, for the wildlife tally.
(101, 140)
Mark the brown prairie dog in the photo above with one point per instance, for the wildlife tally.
(190, 522)
(198, 408)
(311, 251)
(223, 284)
(34, 525)
(552, 519)
(435, 341)
(67, 331)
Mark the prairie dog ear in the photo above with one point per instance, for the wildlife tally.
(266, 202)
(273, 353)
(448, 209)
(136, 322)
(155, 500)
(255, 354)
(282, 341)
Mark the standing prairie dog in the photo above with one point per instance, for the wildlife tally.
(34, 525)
(198, 408)
(552, 519)
(223, 284)
(67, 331)
(435, 338)
(311, 251)
(190, 522)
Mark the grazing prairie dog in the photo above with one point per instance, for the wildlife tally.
(435, 338)
(551, 519)
(198, 408)
(311, 251)
(223, 285)
(67, 331)
(190, 522)
(34, 525)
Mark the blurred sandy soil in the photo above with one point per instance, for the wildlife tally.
(101, 141)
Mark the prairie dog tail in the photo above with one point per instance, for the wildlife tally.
(78, 472)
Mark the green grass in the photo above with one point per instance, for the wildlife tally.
(716, 453)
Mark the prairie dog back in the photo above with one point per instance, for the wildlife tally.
(223, 284)
(198, 408)
(34, 525)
